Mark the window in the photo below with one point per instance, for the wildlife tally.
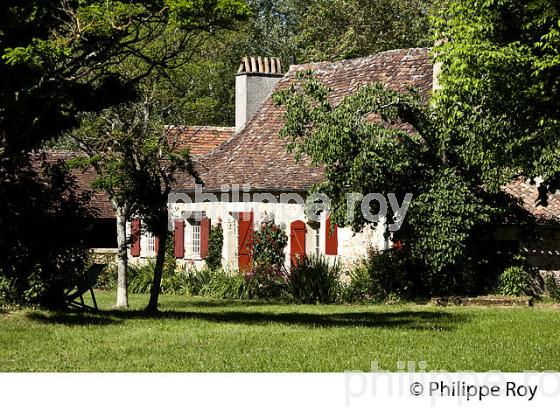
(151, 243)
(318, 240)
(196, 239)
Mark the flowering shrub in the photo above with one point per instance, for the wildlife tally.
(266, 282)
(268, 245)
(267, 279)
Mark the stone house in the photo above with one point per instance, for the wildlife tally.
(250, 178)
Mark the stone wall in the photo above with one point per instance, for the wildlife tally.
(351, 246)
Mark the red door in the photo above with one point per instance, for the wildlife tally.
(245, 241)
(297, 241)
(331, 243)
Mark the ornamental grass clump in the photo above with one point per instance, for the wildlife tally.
(514, 281)
(313, 279)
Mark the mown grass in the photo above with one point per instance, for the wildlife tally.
(195, 334)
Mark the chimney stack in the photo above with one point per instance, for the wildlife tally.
(254, 82)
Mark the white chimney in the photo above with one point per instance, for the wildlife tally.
(254, 83)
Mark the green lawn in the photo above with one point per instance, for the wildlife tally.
(193, 334)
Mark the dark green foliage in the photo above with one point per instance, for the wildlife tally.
(217, 284)
(500, 95)
(173, 281)
(43, 222)
(107, 280)
(340, 29)
(514, 281)
(58, 59)
(448, 207)
(383, 275)
(215, 245)
(266, 282)
(552, 287)
(196, 280)
(267, 278)
(314, 280)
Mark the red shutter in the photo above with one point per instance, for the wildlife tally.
(179, 239)
(297, 241)
(135, 235)
(205, 225)
(156, 244)
(331, 244)
(245, 241)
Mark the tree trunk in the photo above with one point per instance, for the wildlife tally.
(158, 272)
(122, 261)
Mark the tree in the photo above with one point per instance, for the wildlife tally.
(129, 147)
(273, 29)
(500, 84)
(44, 219)
(449, 209)
(60, 59)
(57, 57)
(340, 29)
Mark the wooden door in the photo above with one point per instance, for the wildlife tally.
(297, 241)
(245, 241)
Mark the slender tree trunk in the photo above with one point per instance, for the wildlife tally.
(158, 272)
(122, 261)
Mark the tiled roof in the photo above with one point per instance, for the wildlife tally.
(528, 196)
(257, 156)
(84, 179)
(199, 140)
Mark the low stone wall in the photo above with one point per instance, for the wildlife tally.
(493, 300)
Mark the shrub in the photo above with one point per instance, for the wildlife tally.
(225, 286)
(215, 245)
(552, 287)
(314, 280)
(196, 280)
(266, 282)
(360, 288)
(5, 292)
(383, 276)
(217, 284)
(269, 243)
(140, 278)
(514, 281)
(43, 223)
(107, 279)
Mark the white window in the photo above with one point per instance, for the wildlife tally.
(196, 239)
(318, 240)
(150, 243)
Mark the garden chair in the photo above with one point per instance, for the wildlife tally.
(75, 298)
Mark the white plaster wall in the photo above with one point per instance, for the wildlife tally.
(351, 247)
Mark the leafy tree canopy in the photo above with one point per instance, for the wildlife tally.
(57, 56)
(500, 87)
(363, 156)
(340, 29)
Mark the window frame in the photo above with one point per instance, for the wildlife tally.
(150, 243)
(317, 241)
(195, 239)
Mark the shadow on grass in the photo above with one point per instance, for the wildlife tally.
(217, 303)
(410, 320)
